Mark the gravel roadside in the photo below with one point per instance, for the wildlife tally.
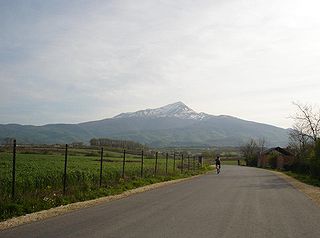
(312, 192)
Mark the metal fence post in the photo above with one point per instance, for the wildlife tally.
(141, 172)
(123, 162)
(167, 163)
(188, 163)
(156, 165)
(174, 161)
(101, 160)
(14, 169)
(194, 163)
(65, 170)
(182, 163)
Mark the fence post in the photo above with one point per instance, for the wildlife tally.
(198, 163)
(65, 170)
(123, 162)
(182, 163)
(167, 163)
(188, 163)
(194, 163)
(238, 162)
(156, 165)
(141, 173)
(101, 160)
(174, 162)
(14, 168)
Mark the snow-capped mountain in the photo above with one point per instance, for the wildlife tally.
(171, 125)
(174, 110)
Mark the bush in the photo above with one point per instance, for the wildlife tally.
(300, 166)
(272, 160)
(252, 161)
(315, 168)
(317, 150)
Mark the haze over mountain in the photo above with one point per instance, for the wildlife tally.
(172, 125)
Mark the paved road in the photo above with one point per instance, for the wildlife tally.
(240, 202)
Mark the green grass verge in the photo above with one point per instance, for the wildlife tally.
(304, 178)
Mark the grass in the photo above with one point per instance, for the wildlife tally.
(304, 178)
(39, 177)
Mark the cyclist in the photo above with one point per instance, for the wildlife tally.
(218, 164)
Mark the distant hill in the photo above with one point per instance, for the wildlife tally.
(172, 125)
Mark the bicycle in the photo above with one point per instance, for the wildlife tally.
(218, 168)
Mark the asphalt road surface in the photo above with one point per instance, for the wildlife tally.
(240, 202)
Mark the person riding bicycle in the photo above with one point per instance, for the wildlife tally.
(218, 164)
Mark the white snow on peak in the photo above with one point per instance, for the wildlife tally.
(176, 110)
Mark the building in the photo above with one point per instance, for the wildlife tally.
(276, 157)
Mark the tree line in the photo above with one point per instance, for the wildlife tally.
(112, 143)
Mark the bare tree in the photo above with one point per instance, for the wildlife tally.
(298, 140)
(250, 152)
(307, 122)
(304, 140)
(261, 144)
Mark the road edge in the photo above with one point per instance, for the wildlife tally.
(57, 211)
(310, 191)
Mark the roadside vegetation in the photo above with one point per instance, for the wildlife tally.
(304, 145)
(39, 175)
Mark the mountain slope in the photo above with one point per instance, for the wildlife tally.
(171, 125)
(219, 131)
(174, 110)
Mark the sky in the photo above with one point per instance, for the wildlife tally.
(76, 61)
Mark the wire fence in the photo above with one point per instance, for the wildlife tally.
(58, 171)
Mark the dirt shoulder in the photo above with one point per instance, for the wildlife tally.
(311, 191)
(41, 215)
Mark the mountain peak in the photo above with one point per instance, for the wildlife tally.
(176, 110)
(178, 104)
(177, 107)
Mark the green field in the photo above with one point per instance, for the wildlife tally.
(40, 173)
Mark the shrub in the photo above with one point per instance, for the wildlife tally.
(301, 166)
(317, 150)
(252, 161)
(315, 168)
(272, 160)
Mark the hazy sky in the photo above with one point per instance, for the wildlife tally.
(75, 61)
